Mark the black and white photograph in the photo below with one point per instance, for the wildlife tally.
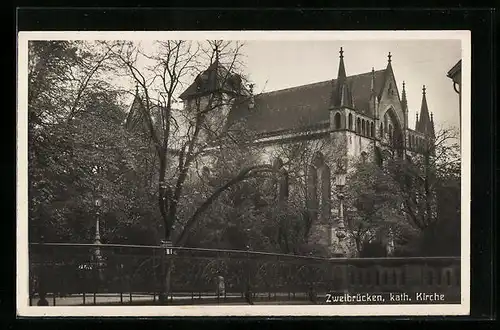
(243, 173)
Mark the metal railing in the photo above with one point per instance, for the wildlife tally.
(82, 274)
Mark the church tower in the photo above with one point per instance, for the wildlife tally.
(425, 122)
(213, 93)
(404, 106)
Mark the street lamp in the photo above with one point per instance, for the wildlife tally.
(97, 238)
(340, 179)
(97, 204)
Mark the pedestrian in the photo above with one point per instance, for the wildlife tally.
(221, 287)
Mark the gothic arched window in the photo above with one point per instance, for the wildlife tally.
(350, 122)
(381, 133)
(336, 120)
(319, 188)
(363, 127)
(358, 126)
(372, 130)
(281, 181)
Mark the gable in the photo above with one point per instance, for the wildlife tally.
(389, 97)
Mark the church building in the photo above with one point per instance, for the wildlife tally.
(361, 116)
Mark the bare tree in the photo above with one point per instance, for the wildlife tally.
(181, 137)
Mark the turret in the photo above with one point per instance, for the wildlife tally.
(404, 106)
(342, 94)
(373, 96)
(433, 133)
(424, 125)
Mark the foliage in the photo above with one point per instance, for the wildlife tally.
(373, 208)
(415, 201)
(78, 150)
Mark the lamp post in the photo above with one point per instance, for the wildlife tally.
(97, 238)
(340, 183)
(340, 179)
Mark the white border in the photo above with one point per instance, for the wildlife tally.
(23, 308)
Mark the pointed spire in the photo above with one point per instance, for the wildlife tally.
(404, 106)
(403, 97)
(372, 85)
(425, 122)
(432, 125)
(342, 94)
(341, 74)
(389, 56)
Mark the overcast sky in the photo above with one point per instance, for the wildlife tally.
(278, 64)
(274, 65)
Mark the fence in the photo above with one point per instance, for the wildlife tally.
(81, 274)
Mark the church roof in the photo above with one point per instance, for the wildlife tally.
(215, 78)
(303, 106)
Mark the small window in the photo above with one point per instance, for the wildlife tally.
(350, 122)
(337, 121)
